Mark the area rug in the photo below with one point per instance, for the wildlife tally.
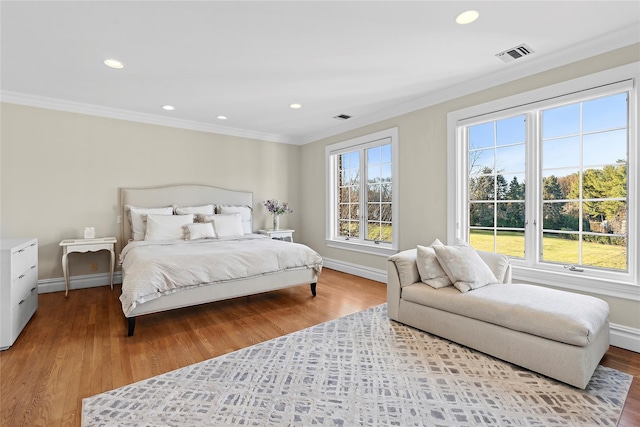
(362, 369)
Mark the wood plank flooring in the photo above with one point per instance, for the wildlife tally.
(76, 347)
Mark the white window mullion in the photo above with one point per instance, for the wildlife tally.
(533, 192)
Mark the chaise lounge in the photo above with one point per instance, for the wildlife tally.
(558, 334)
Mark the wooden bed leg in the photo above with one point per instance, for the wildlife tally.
(313, 289)
(131, 325)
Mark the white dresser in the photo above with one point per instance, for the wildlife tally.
(18, 287)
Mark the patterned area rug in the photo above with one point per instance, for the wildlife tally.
(362, 369)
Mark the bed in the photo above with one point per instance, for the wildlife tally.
(160, 275)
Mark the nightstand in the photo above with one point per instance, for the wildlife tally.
(286, 235)
(83, 246)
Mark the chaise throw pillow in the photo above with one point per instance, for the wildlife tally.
(429, 267)
(464, 266)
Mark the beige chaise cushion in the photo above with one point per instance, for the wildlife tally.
(557, 315)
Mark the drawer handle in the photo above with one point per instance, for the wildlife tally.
(20, 303)
(33, 266)
(33, 244)
(21, 250)
(21, 276)
(33, 289)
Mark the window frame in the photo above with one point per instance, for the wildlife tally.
(606, 282)
(361, 143)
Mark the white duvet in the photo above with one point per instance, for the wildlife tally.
(156, 268)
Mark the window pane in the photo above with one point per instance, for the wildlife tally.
(354, 212)
(349, 229)
(510, 159)
(604, 148)
(510, 243)
(482, 188)
(386, 192)
(386, 153)
(354, 160)
(510, 131)
(482, 240)
(481, 214)
(373, 194)
(605, 113)
(561, 121)
(374, 173)
(481, 136)
(609, 217)
(561, 153)
(516, 189)
(511, 215)
(481, 161)
(561, 216)
(373, 156)
(604, 251)
(608, 182)
(386, 212)
(563, 248)
(373, 211)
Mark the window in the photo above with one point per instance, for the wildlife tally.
(362, 190)
(551, 181)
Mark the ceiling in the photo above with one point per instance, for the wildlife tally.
(249, 61)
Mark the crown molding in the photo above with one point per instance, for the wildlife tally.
(515, 70)
(132, 116)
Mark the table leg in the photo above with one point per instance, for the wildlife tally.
(113, 259)
(65, 271)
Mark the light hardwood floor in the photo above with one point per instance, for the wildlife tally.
(76, 347)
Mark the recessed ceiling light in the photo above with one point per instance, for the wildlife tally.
(467, 17)
(113, 63)
(295, 106)
(222, 117)
(168, 107)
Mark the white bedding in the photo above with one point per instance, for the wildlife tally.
(156, 268)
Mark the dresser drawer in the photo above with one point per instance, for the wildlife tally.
(23, 311)
(24, 284)
(23, 259)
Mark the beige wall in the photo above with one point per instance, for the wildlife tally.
(422, 170)
(60, 172)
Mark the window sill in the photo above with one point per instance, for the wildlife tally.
(578, 282)
(361, 247)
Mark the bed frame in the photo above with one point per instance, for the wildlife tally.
(197, 195)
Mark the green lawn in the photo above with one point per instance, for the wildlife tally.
(554, 249)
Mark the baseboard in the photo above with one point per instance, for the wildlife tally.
(625, 337)
(355, 269)
(78, 282)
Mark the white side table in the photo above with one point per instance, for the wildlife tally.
(86, 245)
(286, 235)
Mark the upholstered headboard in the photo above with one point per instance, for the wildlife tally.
(181, 195)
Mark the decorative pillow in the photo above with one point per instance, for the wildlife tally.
(226, 225)
(245, 215)
(205, 210)
(405, 262)
(464, 266)
(430, 270)
(137, 218)
(166, 227)
(198, 231)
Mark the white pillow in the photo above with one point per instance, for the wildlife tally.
(225, 225)
(198, 231)
(245, 215)
(137, 219)
(464, 266)
(205, 210)
(430, 270)
(166, 227)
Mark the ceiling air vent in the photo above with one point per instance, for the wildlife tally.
(342, 117)
(515, 53)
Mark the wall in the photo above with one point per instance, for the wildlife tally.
(61, 172)
(422, 170)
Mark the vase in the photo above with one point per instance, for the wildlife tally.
(276, 222)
